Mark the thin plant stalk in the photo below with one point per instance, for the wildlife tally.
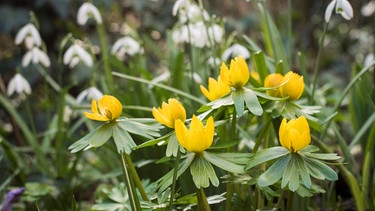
(344, 93)
(289, 204)
(368, 159)
(317, 61)
(135, 177)
(202, 201)
(228, 202)
(289, 26)
(174, 178)
(134, 202)
(350, 179)
(105, 56)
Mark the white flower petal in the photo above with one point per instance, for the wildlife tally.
(235, 50)
(84, 56)
(18, 84)
(30, 35)
(329, 10)
(42, 57)
(27, 58)
(68, 55)
(347, 9)
(86, 11)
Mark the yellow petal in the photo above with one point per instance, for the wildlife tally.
(273, 80)
(181, 132)
(239, 72)
(224, 74)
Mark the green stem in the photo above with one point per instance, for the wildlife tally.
(289, 31)
(105, 57)
(317, 61)
(202, 201)
(350, 179)
(135, 177)
(29, 136)
(228, 202)
(289, 204)
(134, 202)
(174, 178)
(345, 92)
(368, 159)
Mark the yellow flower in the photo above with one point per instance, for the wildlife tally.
(198, 138)
(110, 108)
(273, 80)
(169, 113)
(255, 75)
(294, 87)
(237, 75)
(295, 134)
(216, 89)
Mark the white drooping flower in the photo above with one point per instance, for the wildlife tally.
(126, 46)
(36, 56)
(91, 93)
(30, 35)
(182, 5)
(368, 9)
(19, 85)
(86, 11)
(234, 51)
(196, 33)
(76, 54)
(193, 13)
(342, 7)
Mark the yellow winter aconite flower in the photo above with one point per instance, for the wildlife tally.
(294, 87)
(216, 89)
(295, 134)
(238, 73)
(198, 138)
(106, 109)
(273, 80)
(169, 113)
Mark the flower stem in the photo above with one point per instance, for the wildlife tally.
(228, 202)
(289, 205)
(202, 201)
(134, 202)
(350, 179)
(174, 179)
(105, 57)
(317, 61)
(135, 177)
(368, 159)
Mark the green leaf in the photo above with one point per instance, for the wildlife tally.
(266, 155)
(159, 141)
(223, 163)
(83, 143)
(274, 173)
(291, 175)
(260, 65)
(322, 168)
(137, 128)
(238, 100)
(165, 181)
(252, 102)
(323, 156)
(223, 101)
(173, 146)
(124, 142)
(203, 172)
(102, 135)
(236, 157)
(302, 170)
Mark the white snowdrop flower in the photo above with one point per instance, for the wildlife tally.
(180, 5)
(76, 54)
(30, 35)
(214, 62)
(91, 93)
(194, 14)
(86, 11)
(342, 7)
(19, 85)
(197, 78)
(180, 34)
(368, 9)
(126, 46)
(368, 59)
(216, 33)
(234, 51)
(36, 56)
